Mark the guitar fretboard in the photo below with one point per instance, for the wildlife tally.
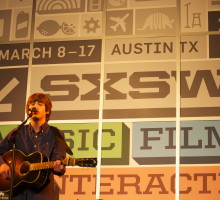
(82, 162)
(40, 166)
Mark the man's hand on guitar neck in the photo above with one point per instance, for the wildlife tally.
(59, 167)
(5, 171)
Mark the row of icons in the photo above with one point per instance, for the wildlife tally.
(155, 21)
(118, 22)
(67, 6)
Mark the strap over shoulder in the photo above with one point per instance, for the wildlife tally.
(61, 140)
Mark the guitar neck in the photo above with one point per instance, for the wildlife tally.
(49, 165)
(40, 166)
(81, 162)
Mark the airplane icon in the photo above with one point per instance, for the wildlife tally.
(119, 22)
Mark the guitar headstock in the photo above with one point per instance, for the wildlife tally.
(81, 162)
(86, 162)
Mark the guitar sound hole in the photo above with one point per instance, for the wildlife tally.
(24, 168)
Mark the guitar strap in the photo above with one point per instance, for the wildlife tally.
(61, 140)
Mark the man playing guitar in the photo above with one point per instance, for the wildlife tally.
(37, 136)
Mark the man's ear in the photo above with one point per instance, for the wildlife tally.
(48, 112)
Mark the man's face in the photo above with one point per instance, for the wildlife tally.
(41, 112)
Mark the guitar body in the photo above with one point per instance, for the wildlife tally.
(23, 177)
(33, 170)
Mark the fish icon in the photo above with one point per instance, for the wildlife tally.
(157, 21)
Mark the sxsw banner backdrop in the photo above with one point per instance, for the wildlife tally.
(121, 75)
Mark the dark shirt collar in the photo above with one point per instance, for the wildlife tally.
(43, 128)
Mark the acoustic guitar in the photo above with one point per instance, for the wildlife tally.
(33, 170)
